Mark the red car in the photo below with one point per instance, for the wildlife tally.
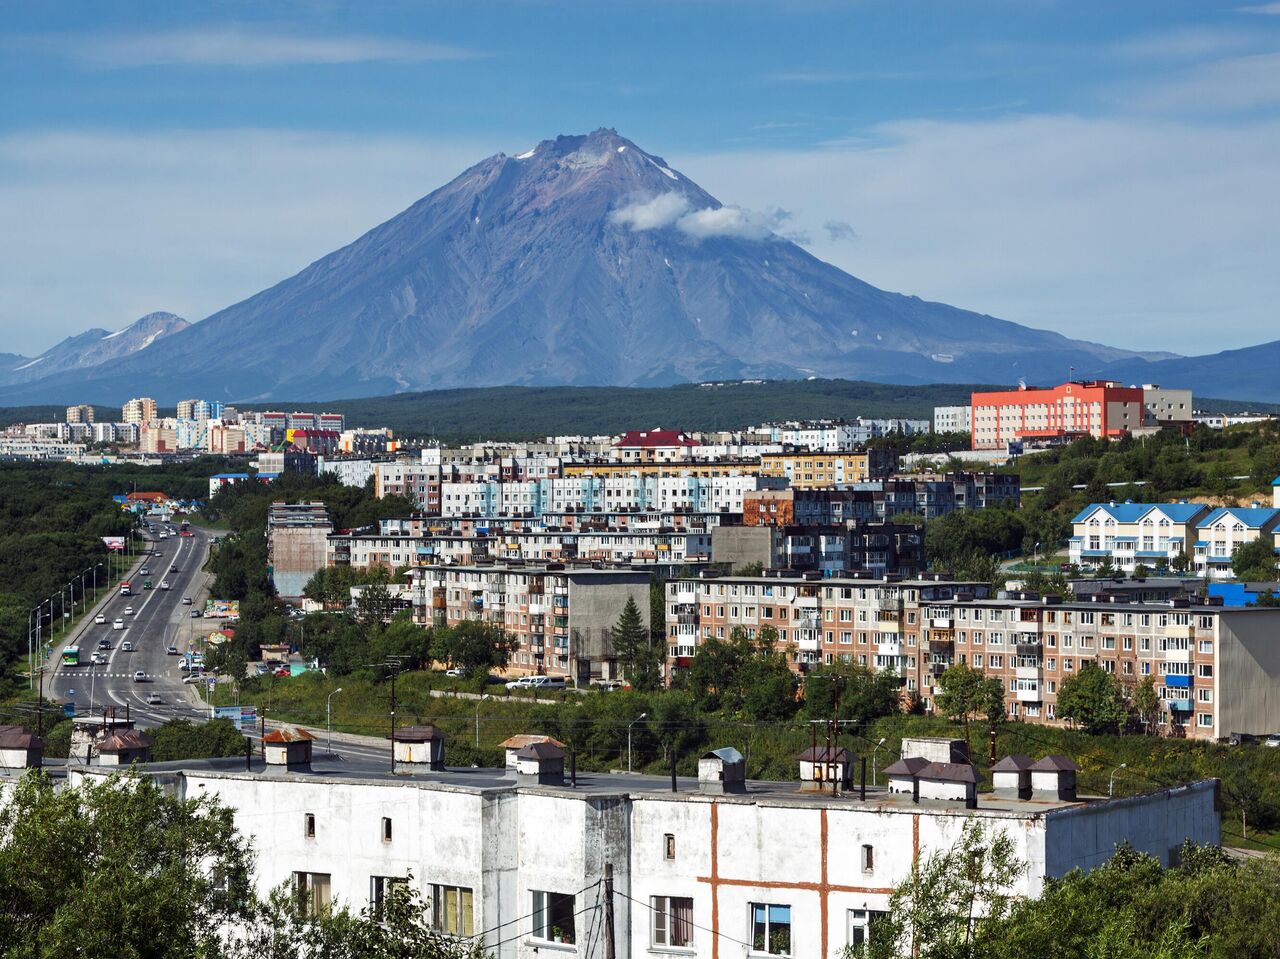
(186, 532)
(283, 671)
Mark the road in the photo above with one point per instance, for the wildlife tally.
(159, 619)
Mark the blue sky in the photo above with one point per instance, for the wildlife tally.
(1104, 169)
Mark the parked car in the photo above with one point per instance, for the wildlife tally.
(118, 624)
(1273, 741)
(193, 678)
(458, 671)
(126, 647)
(100, 619)
(537, 682)
(153, 699)
(140, 677)
(195, 614)
(186, 600)
(609, 685)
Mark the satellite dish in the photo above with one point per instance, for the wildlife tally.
(1022, 382)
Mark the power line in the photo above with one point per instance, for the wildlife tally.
(530, 915)
(714, 932)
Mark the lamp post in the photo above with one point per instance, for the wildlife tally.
(873, 760)
(629, 725)
(1111, 781)
(328, 714)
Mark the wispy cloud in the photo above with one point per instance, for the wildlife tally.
(1234, 84)
(1192, 43)
(673, 209)
(856, 76)
(838, 230)
(235, 46)
(1269, 9)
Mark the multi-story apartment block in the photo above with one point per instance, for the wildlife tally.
(698, 468)
(952, 419)
(561, 618)
(348, 471)
(297, 535)
(878, 548)
(141, 410)
(1212, 665)
(806, 470)
(718, 866)
(1098, 408)
(1220, 532)
(1163, 407)
(609, 493)
(1133, 534)
(652, 446)
(80, 414)
(928, 495)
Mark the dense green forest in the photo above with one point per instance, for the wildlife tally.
(52, 520)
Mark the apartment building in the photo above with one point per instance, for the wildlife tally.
(1162, 407)
(879, 548)
(297, 535)
(1213, 666)
(1223, 530)
(80, 414)
(1098, 408)
(716, 866)
(926, 495)
(561, 618)
(611, 493)
(806, 469)
(1132, 534)
(698, 468)
(140, 410)
(952, 419)
(653, 446)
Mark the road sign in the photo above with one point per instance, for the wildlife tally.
(232, 713)
(69, 710)
(248, 715)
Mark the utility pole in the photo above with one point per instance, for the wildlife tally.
(608, 911)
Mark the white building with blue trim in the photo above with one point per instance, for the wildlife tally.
(1132, 534)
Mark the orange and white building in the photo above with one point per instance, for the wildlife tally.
(1098, 408)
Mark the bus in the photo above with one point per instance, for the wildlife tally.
(71, 656)
(125, 588)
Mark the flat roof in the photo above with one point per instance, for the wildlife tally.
(326, 771)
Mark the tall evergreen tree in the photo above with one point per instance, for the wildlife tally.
(637, 653)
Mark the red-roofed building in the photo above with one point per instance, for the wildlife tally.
(653, 446)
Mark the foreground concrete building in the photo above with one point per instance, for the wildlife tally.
(719, 867)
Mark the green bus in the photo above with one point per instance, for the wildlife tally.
(71, 656)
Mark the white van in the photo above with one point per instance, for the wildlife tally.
(537, 682)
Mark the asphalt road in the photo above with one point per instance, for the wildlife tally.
(159, 619)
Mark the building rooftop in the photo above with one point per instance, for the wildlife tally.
(326, 771)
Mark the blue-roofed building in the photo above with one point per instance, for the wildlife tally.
(1227, 528)
(1134, 534)
(1242, 594)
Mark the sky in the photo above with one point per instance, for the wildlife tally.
(1105, 169)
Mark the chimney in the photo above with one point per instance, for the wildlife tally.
(1054, 777)
(1011, 777)
(722, 771)
(820, 765)
(288, 748)
(419, 746)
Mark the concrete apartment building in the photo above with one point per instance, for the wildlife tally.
(1216, 669)
(1133, 534)
(952, 419)
(879, 548)
(80, 414)
(808, 469)
(140, 410)
(719, 866)
(635, 491)
(297, 537)
(561, 617)
(1099, 408)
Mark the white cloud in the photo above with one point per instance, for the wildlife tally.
(1233, 84)
(1187, 44)
(652, 214)
(236, 46)
(1272, 9)
(1140, 233)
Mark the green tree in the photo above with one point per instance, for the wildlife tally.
(864, 694)
(473, 645)
(639, 656)
(967, 694)
(1146, 703)
(118, 867)
(1181, 562)
(1255, 560)
(1091, 699)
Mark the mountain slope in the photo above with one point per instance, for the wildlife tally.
(583, 261)
(92, 348)
(1252, 373)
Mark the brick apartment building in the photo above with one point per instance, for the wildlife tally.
(1213, 666)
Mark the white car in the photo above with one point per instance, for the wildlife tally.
(99, 659)
(126, 647)
(153, 699)
(128, 610)
(537, 682)
(100, 619)
(140, 677)
(118, 624)
(164, 584)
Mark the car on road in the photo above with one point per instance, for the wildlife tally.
(126, 647)
(100, 619)
(153, 699)
(140, 677)
(171, 651)
(104, 644)
(537, 682)
(128, 610)
(186, 600)
(164, 584)
(118, 624)
(99, 659)
(186, 532)
(193, 678)
(144, 571)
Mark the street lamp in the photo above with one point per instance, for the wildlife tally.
(1111, 781)
(629, 725)
(328, 725)
(873, 760)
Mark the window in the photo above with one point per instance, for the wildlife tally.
(553, 915)
(868, 858)
(312, 892)
(770, 929)
(309, 825)
(672, 921)
(860, 923)
(386, 829)
(669, 846)
(451, 910)
(1205, 719)
(381, 888)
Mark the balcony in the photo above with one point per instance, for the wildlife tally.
(889, 649)
(687, 619)
(1029, 695)
(1028, 649)
(686, 596)
(940, 622)
(1028, 672)
(1180, 632)
(1178, 704)
(893, 604)
(686, 609)
(1176, 655)
(809, 622)
(888, 625)
(809, 645)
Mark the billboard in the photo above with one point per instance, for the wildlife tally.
(233, 713)
(222, 609)
(114, 542)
